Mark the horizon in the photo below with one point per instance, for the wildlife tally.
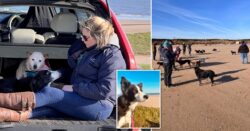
(178, 19)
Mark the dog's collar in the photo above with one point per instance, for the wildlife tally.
(31, 73)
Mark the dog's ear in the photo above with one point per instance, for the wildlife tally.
(124, 84)
(140, 85)
(46, 56)
(28, 53)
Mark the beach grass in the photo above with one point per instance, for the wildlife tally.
(145, 66)
(140, 42)
(147, 116)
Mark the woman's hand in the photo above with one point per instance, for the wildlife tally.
(67, 88)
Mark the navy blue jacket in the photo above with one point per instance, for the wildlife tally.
(168, 56)
(94, 74)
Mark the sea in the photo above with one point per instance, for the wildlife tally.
(131, 9)
(124, 9)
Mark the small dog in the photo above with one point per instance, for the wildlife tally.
(182, 62)
(200, 51)
(214, 49)
(131, 95)
(35, 84)
(34, 62)
(197, 51)
(202, 74)
(233, 52)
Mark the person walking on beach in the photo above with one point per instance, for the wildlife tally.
(189, 47)
(243, 50)
(168, 62)
(184, 48)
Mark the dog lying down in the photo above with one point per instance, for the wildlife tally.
(203, 74)
(34, 62)
(32, 83)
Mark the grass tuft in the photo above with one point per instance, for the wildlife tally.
(140, 43)
(147, 116)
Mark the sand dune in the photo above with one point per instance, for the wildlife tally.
(223, 107)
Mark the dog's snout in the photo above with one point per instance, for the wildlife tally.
(145, 96)
(35, 66)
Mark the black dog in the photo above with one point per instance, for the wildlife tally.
(36, 83)
(197, 51)
(214, 49)
(182, 62)
(200, 51)
(233, 52)
(202, 74)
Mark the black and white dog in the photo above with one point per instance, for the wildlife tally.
(33, 83)
(131, 95)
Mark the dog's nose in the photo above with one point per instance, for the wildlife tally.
(35, 66)
(145, 96)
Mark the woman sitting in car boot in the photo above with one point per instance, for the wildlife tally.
(94, 61)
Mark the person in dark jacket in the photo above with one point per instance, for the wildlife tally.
(184, 48)
(243, 50)
(94, 61)
(168, 62)
(154, 50)
(189, 47)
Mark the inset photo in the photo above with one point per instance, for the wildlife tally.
(138, 99)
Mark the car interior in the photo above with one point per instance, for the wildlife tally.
(39, 25)
(43, 25)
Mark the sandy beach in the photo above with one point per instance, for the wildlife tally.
(153, 101)
(222, 107)
(135, 26)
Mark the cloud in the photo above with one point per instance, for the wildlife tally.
(162, 31)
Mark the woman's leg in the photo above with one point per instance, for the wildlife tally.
(46, 112)
(73, 105)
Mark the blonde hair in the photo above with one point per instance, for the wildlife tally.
(100, 29)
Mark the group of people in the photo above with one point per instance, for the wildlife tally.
(169, 56)
(189, 48)
(94, 61)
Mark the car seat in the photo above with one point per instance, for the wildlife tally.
(26, 36)
(65, 27)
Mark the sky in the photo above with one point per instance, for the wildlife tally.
(201, 19)
(149, 79)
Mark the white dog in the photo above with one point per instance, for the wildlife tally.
(34, 62)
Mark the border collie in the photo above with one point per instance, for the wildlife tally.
(131, 95)
(32, 83)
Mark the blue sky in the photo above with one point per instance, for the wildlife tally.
(201, 19)
(150, 80)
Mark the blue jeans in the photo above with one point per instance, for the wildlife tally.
(244, 58)
(52, 101)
